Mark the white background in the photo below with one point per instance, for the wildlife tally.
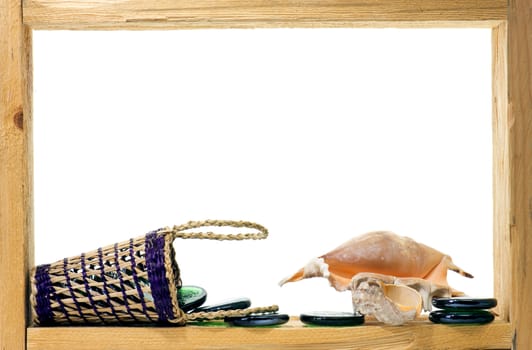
(318, 134)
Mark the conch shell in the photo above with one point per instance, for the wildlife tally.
(380, 252)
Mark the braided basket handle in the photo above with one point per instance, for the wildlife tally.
(216, 315)
(181, 231)
(184, 231)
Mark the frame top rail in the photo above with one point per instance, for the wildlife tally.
(174, 14)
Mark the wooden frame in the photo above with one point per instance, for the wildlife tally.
(512, 134)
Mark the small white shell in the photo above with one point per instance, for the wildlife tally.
(389, 303)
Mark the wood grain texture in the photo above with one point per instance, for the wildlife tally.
(520, 138)
(16, 220)
(502, 261)
(417, 335)
(138, 14)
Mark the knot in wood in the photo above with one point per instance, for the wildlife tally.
(18, 119)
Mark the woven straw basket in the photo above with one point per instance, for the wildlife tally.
(131, 282)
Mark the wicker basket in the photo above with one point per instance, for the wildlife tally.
(132, 282)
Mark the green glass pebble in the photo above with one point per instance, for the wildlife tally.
(461, 317)
(191, 297)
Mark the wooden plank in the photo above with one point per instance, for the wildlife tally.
(417, 335)
(520, 120)
(16, 223)
(501, 173)
(138, 14)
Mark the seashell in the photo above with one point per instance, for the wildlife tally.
(389, 303)
(380, 252)
(393, 300)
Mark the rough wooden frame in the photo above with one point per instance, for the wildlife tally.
(511, 24)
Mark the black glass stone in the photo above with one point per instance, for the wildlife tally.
(461, 317)
(329, 318)
(191, 297)
(257, 320)
(231, 304)
(464, 303)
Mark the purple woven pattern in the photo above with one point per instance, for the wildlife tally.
(105, 288)
(42, 297)
(157, 275)
(73, 293)
(86, 282)
(137, 280)
(111, 285)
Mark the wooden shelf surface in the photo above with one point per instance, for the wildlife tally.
(293, 335)
(145, 14)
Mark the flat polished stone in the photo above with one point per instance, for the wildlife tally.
(257, 320)
(464, 303)
(461, 317)
(231, 304)
(333, 319)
